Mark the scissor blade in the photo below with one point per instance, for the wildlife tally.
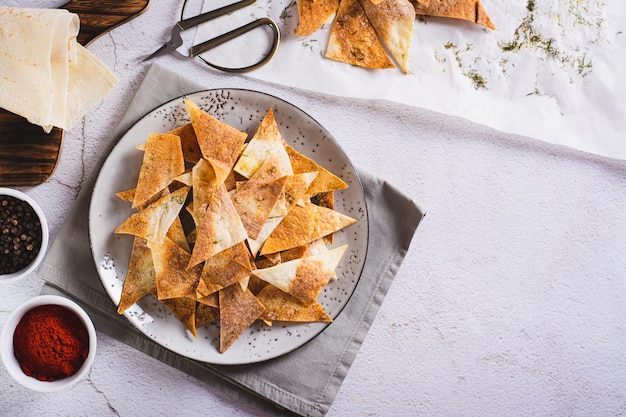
(175, 41)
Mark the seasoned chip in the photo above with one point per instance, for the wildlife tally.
(353, 39)
(162, 162)
(325, 180)
(269, 226)
(393, 22)
(254, 205)
(153, 222)
(188, 142)
(173, 278)
(303, 278)
(267, 141)
(471, 10)
(303, 225)
(220, 143)
(313, 14)
(185, 310)
(238, 310)
(206, 314)
(280, 306)
(140, 278)
(293, 193)
(227, 267)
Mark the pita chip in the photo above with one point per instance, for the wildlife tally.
(304, 225)
(313, 14)
(303, 278)
(471, 10)
(173, 278)
(153, 222)
(140, 278)
(220, 143)
(188, 142)
(267, 141)
(227, 267)
(185, 310)
(280, 306)
(238, 310)
(353, 40)
(221, 227)
(393, 22)
(162, 162)
(206, 314)
(254, 205)
(295, 188)
(325, 180)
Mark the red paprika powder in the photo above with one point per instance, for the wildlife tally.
(50, 342)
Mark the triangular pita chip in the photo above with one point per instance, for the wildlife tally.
(294, 190)
(188, 142)
(353, 39)
(393, 22)
(204, 183)
(303, 225)
(325, 180)
(303, 278)
(153, 222)
(238, 310)
(267, 141)
(269, 171)
(269, 226)
(185, 310)
(471, 10)
(220, 228)
(206, 314)
(220, 143)
(140, 278)
(280, 306)
(162, 162)
(227, 267)
(255, 205)
(313, 14)
(173, 278)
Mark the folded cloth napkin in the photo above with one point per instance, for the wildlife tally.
(302, 382)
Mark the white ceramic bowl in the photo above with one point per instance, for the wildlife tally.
(8, 356)
(44, 236)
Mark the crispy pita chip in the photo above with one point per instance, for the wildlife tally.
(325, 180)
(140, 278)
(303, 225)
(255, 205)
(206, 314)
(303, 278)
(295, 189)
(188, 142)
(173, 278)
(269, 226)
(204, 184)
(238, 310)
(353, 39)
(269, 171)
(280, 306)
(185, 310)
(220, 143)
(313, 14)
(393, 22)
(227, 267)
(220, 228)
(267, 141)
(153, 222)
(162, 162)
(471, 10)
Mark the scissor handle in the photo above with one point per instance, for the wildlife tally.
(205, 17)
(205, 46)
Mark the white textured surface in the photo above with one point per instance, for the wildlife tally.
(511, 300)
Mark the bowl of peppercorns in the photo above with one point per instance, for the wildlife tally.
(48, 343)
(23, 235)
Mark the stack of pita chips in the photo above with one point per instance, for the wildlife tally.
(46, 76)
(229, 229)
(377, 33)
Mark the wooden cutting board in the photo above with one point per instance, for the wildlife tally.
(28, 156)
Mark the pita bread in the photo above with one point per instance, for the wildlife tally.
(280, 306)
(313, 14)
(393, 22)
(185, 310)
(254, 205)
(303, 225)
(220, 228)
(353, 39)
(162, 162)
(220, 143)
(238, 310)
(173, 278)
(153, 222)
(267, 141)
(325, 180)
(303, 278)
(140, 278)
(471, 10)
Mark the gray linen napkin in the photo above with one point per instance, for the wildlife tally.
(305, 381)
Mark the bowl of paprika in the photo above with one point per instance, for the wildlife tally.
(48, 343)
(23, 235)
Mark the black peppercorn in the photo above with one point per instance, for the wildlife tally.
(20, 234)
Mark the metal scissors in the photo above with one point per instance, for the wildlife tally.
(176, 40)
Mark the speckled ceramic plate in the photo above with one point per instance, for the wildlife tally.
(243, 109)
